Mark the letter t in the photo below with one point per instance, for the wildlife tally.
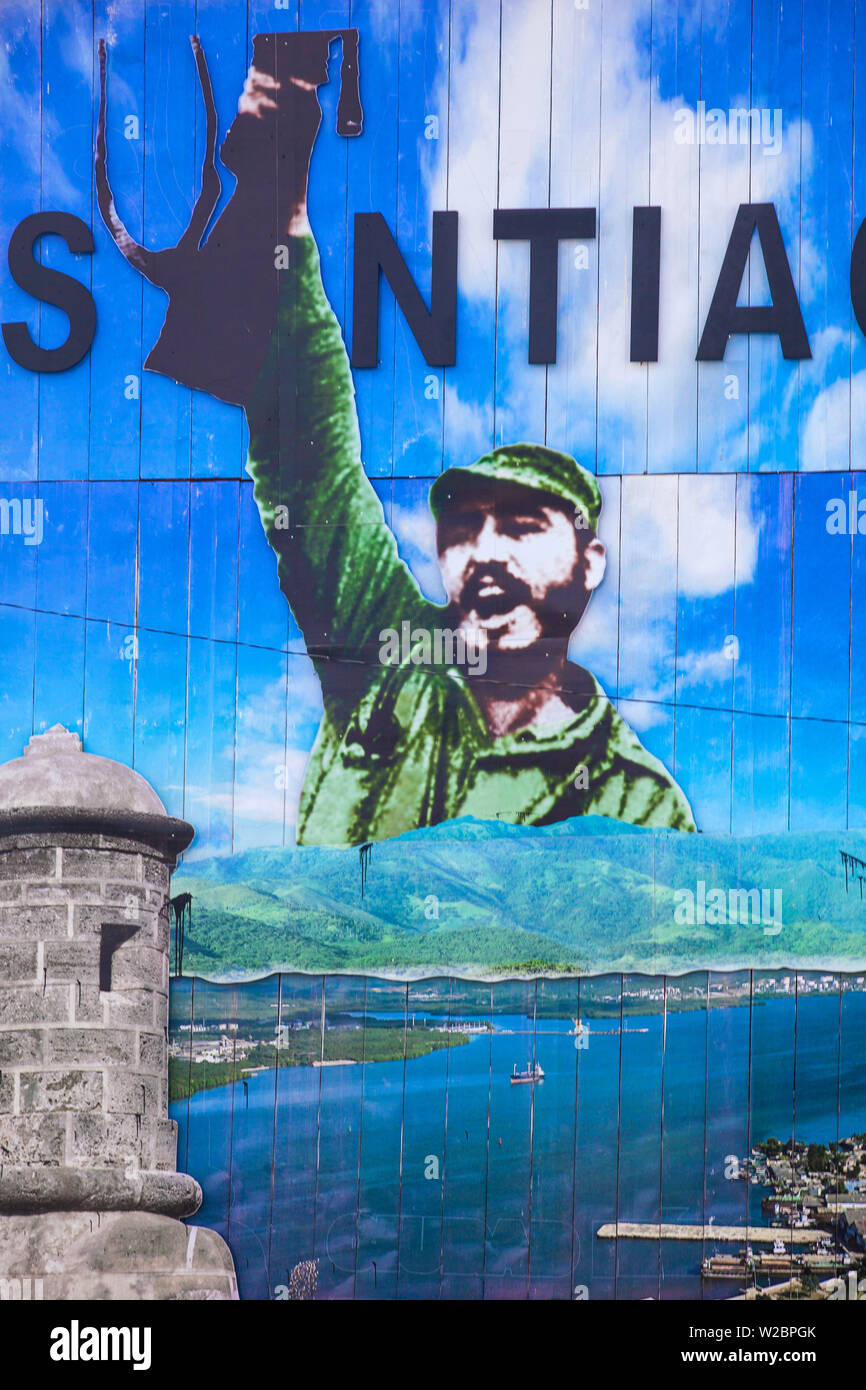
(544, 229)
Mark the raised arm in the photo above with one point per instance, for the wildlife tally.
(337, 557)
(338, 561)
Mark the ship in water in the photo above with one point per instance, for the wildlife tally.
(533, 1073)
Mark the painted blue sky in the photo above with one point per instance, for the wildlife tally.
(727, 628)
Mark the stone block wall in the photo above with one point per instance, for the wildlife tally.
(83, 1070)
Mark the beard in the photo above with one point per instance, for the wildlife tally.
(491, 591)
(527, 636)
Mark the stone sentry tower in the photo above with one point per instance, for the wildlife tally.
(90, 1198)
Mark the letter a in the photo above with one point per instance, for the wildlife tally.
(837, 520)
(782, 316)
(684, 913)
(389, 652)
(59, 1349)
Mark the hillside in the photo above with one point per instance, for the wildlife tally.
(480, 896)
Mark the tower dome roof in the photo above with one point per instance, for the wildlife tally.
(57, 787)
(56, 772)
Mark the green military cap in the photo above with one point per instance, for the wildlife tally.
(529, 465)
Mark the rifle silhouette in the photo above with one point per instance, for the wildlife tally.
(223, 292)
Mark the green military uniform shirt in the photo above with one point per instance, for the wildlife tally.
(402, 746)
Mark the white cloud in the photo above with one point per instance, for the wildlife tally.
(826, 442)
(624, 156)
(467, 422)
(642, 714)
(275, 733)
(680, 538)
(703, 668)
(415, 530)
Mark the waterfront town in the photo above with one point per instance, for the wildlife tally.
(812, 1244)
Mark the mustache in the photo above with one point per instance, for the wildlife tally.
(514, 591)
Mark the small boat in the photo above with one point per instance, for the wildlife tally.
(531, 1074)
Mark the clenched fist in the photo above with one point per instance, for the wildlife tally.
(269, 144)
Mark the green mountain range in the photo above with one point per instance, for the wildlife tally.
(478, 897)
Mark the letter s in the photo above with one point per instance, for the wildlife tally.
(52, 287)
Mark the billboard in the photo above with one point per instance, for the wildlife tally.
(430, 458)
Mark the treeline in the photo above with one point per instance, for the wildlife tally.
(312, 940)
(376, 1043)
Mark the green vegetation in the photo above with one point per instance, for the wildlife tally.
(536, 966)
(185, 1078)
(565, 899)
(817, 1160)
(379, 1042)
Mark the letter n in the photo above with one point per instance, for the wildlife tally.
(782, 316)
(434, 330)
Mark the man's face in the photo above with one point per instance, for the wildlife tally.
(515, 565)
